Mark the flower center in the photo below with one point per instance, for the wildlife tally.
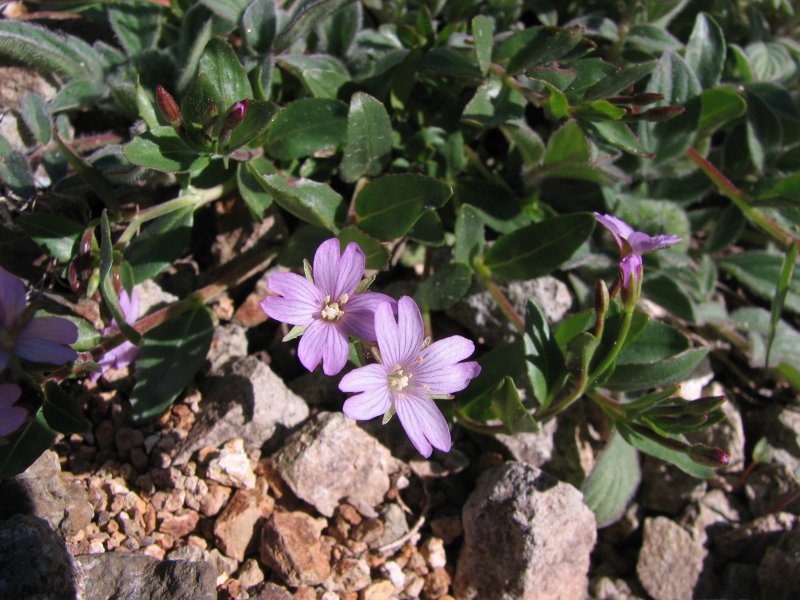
(398, 380)
(332, 311)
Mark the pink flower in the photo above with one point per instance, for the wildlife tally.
(11, 417)
(410, 375)
(124, 354)
(329, 307)
(632, 244)
(40, 339)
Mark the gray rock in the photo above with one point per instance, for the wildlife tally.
(269, 591)
(479, 313)
(670, 560)
(526, 535)
(606, 588)
(667, 489)
(248, 401)
(779, 571)
(714, 515)
(532, 448)
(330, 459)
(228, 342)
(768, 487)
(317, 389)
(135, 576)
(35, 563)
(151, 296)
(43, 491)
(749, 542)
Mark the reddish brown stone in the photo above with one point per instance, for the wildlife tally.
(181, 524)
(291, 546)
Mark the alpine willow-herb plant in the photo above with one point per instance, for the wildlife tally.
(450, 149)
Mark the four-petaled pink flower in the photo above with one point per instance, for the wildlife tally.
(409, 376)
(39, 339)
(328, 307)
(632, 244)
(11, 416)
(124, 354)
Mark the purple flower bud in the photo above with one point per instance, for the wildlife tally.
(708, 456)
(168, 107)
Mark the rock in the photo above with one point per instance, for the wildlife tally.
(236, 529)
(378, 590)
(331, 459)
(231, 467)
(532, 448)
(767, 488)
(42, 490)
(250, 574)
(449, 528)
(395, 525)
(248, 401)
(433, 552)
(152, 296)
(779, 571)
(781, 425)
(606, 588)
(479, 313)
(291, 546)
(437, 582)
(270, 591)
(228, 342)
(135, 576)
(317, 389)
(349, 574)
(670, 560)
(19, 82)
(181, 524)
(35, 562)
(749, 542)
(715, 514)
(526, 535)
(667, 489)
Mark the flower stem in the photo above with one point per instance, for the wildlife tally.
(476, 426)
(505, 306)
(616, 348)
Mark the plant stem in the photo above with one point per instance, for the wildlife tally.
(485, 277)
(622, 334)
(477, 426)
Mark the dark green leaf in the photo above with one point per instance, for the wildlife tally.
(508, 407)
(201, 104)
(654, 343)
(494, 104)
(229, 10)
(613, 481)
(428, 229)
(445, 287)
(483, 33)
(470, 235)
(42, 49)
(308, 15)
(781, 290)
(539, 249)
(259, 23)
(107, 290)
(15, 171)
(90, 174)
(499, 362)
(617, 134)
(157, 247)
(649, 375)
(36, 115)
(369, 139)
(62, 412)
(718, 107)
(653, 448)
(665, 291)
(760, 272)
(771, 61)
(162, 149)
(222, 67)
(764, 131)
(25, 446)
(338, 33)
(259, 115)
(377, 254)
(705, 51)
(58, 234)
(77, 94)
(306, 126)
(170, 356)
(313, 202)
(567, 144)
(580, 352)
(389, 206)
(543, 357)
(619, 81)
(322, 75)
(136, 25)
(450, 62)
(252, 192)
(546, 45)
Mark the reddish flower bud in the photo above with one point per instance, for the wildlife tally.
(662, 113)
(706, 455)
(168, 107)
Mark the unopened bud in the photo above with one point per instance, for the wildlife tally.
(647, 98)
(231, 120)
(86, 241)
(601, 297)
(703, 406)
(662, 113)
(680, 423)
(168, 107)
(708, 456)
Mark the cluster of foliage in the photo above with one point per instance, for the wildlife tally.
(486, 131)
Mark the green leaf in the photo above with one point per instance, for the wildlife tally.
(545, 45)
(656, 342)
(338, 33)
(321, 74)
(389, 206)
(705, 50)
(36, 115)
(369, 139)
(483, 34)
(162, 149)
(580, 352)
(42, 49)
(617, 134)
(307, 126)
(665, 291)
(107, 290)
(169, 357)
(259, 115)
(26, 445)
(450, 62)
(508, 407)
(428, 229)
(62, 412)
(543, 358)
(15, 171)
(470, 235)
(201, 104)
(494, 104)
(771, 61)
(90, 174)
(251, 190)
(649, 375)
(313, 202)
(377, 254)
(619, 81)
(157, 247)
(307, 16)
(136, 25)
(718, 107)
(653, 448)
(613, 481)
(496, 364)
(539, 249)
(77, 94)
(229, 10)
(222, 67)
(445, 287)
(58, 234)
(764, 131)
(760, 272)
(567, 144)
(781, 290)
(259, 24)
(525, 139)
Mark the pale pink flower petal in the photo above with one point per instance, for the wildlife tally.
(399, 340)
(351, 270)
(359, 314)
(46, 339)
(424, 424)
(371, 404)
(364, 378)
(326, 267)
(323, 342)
